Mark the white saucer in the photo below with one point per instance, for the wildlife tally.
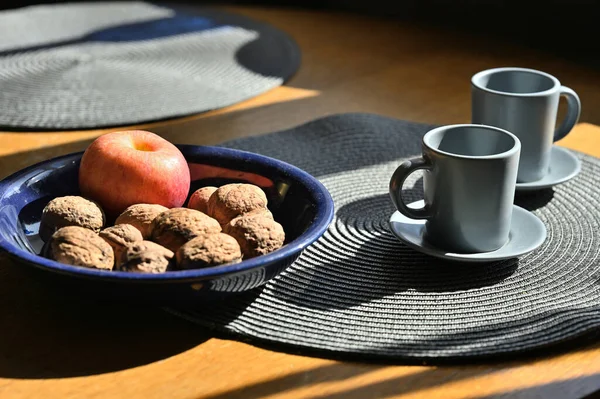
(527, 233)
(563, 166)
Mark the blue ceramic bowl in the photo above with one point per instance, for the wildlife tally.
(297, 200)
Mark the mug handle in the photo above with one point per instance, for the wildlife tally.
(396, 182)
(573, 112)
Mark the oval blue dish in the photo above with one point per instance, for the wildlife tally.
(297, 200)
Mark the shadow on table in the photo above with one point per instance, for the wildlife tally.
(345, 373)
(48, 336)
(392, 386)
(403, 384)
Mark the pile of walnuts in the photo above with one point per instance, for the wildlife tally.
(219, 226)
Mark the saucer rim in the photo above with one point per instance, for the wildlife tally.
(535, 185)
(478, 257)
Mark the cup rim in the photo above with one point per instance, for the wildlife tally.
(516, 148)
(475, 81)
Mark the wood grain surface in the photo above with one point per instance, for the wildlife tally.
(56, 347)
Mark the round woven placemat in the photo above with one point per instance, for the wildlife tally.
(99, 64)
(359, 291)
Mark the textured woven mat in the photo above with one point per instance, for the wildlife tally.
(359, 291)
(84, 65)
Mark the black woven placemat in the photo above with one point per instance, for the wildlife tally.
(359, 291)
(99, 64)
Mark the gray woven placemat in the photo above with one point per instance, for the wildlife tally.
(88, 65)
(359, 291)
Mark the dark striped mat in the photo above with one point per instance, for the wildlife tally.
(359, 291)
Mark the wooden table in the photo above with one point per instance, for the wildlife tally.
(52, 347)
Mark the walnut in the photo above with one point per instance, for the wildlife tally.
(119, 237)
(209, 250)
(263, 212)
(176, 226)
(141, 216)
(78, 246)
(199, 199)
(70, 210)
(145, 257)
(257, 234)
(235, 199)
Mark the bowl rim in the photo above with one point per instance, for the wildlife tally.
(323, 217)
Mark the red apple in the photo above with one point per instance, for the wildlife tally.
(132, 167)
